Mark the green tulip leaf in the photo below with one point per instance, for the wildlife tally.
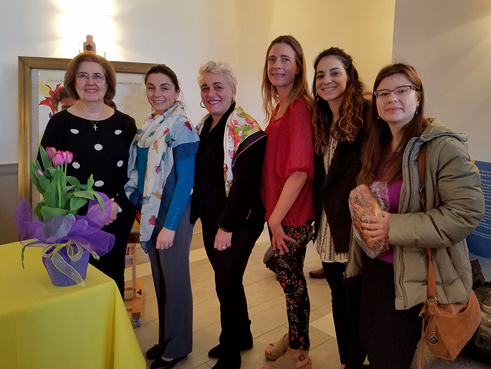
(37, 210)
(44, 158)
(50, 194)
(90, 182)
(35, 180)
(72, 180)
(43, 182)
(76, 203)
(50, 212)
(100, 201)
(84, 194)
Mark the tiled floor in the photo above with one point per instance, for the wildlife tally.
(266, 309)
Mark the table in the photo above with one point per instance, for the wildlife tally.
(47, 327)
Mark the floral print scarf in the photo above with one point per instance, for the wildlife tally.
(154, 135)
(238, 127)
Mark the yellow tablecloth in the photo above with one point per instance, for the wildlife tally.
(47, 327)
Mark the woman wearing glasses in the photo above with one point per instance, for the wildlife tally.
(99, 138)
(393, 286)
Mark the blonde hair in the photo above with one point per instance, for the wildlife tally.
(217, 67)
(300, 89)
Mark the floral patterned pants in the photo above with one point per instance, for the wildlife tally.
(289, 269)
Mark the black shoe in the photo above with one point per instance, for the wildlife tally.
(155, 352)
(164, 364)
(216, 351)
(225, 363)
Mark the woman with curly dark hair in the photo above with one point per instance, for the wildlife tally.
(338, 133)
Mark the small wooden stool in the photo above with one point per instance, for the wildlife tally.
(136, 285)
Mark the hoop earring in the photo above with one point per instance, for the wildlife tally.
(202, 104)
(417, 110)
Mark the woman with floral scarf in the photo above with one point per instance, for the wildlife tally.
(226, 197)
(161, 172)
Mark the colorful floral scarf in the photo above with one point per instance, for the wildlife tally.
(238, 127)
(155, 134)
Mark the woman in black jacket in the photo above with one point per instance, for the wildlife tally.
(226, 197)
(338, 133)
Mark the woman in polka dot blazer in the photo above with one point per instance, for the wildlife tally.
(99, 137)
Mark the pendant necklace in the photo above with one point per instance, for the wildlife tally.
(94, 123)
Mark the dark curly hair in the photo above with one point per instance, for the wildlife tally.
(351, 110)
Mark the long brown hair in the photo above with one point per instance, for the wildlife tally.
(300, 89)
(350, 112)
(379, 137)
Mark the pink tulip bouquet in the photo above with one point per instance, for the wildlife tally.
(62, 194)
(68, 239)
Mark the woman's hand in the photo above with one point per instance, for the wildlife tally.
(114, 212)
(289, 194)
(223, 240)
(377, 227)
(165, 239)
(279, 237)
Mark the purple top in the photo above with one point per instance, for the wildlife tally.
(394, 191)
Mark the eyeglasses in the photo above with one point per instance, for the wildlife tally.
(400, 91)
(96, 77)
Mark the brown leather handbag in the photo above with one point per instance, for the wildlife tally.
(448, 326)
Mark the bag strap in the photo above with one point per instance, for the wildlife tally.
(421, 171)
(431, 284)
(422, 194)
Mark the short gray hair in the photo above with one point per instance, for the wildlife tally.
(216, 67)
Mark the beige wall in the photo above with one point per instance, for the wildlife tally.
(184, 34)
(449, 43)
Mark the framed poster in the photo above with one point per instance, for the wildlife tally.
(41, 94)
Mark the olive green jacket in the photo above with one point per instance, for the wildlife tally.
(455, 205)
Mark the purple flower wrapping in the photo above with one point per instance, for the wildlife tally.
(74, 231)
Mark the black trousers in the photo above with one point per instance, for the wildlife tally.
(345, 315)
(390, 336)
(229, 266)
(113, 263)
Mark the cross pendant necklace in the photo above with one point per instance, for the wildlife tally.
(94, 124)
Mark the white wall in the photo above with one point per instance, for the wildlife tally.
(449, 43)
(184, 34)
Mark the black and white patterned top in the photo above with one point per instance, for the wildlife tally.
(102, 152)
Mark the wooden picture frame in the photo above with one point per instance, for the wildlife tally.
(29, 132)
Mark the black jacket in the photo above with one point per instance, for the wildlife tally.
(331, 191)
(243, 208)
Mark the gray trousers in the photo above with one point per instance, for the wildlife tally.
(170, 271)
